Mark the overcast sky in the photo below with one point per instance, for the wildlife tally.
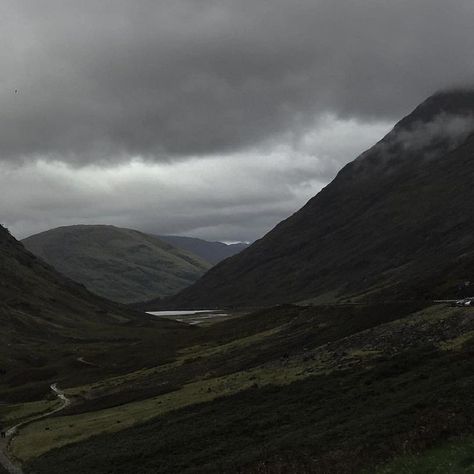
(211, 118)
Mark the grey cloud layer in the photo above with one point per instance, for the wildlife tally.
(101, 81)
(239, 197)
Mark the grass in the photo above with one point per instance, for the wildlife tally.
(364, 353)
(455, 457)
(288, 389)
(458, 342)
(14, 414)
(339, 421)
(119, 264)
(59, 431)
(183, 357)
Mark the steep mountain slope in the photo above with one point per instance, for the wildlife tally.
(120, 264)
(396, 222)
(49, 324)
(212, 252)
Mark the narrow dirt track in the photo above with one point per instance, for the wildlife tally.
(9, 464)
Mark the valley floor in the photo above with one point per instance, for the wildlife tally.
(328, 389)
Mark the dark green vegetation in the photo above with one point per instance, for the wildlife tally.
(119, 264)
(455, 457)
(50, 325)
(243, 344)
(212, 252)
(322, 389)
(397, 222)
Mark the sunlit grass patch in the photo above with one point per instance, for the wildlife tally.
(184, 356)
(457, 342)
(13, 414)
(364, 353)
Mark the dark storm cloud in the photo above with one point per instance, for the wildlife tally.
(97, 81)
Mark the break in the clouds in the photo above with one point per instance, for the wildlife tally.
(203, 116)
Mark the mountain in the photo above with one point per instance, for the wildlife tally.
(378, 386)
(212, 252)
(339, 388)
(49, 323)
(119, 264)
(397, 222)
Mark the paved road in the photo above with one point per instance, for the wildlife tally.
(10, 465)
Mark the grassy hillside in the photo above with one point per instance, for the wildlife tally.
(213, 252)
(397, 222)
(120, 264)
(50, 325)
(292, 389)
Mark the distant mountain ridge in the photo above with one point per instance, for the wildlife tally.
(123, 265)
(48, 321)
(212, 252)
(396, 222)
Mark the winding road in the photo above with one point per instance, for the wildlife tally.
(11, 465)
